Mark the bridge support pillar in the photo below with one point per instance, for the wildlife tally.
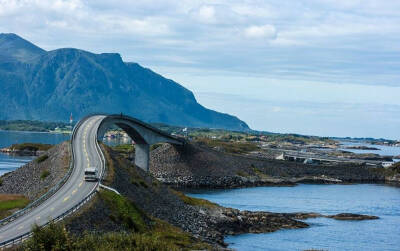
(142, 155)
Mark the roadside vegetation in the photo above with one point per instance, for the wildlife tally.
(44, 174)
(42, 158)
(145, 233)
(10, 203)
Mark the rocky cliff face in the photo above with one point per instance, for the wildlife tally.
(41, 85)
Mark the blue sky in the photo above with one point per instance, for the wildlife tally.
(321, 67)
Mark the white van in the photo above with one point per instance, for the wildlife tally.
(91, 174)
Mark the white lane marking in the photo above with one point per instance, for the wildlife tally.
(80, 184)
(21, 227)
(38, 218)
(52, 209)
(66, 198)
(73, 192)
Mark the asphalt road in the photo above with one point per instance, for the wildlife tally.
(73, 191)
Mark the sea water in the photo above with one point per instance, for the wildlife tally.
(323, 233)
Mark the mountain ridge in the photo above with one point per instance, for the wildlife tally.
(50, 85)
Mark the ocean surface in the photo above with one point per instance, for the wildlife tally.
(383, 150)
(323, 234)
(11, 162)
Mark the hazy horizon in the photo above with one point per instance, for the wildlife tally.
(326, 68)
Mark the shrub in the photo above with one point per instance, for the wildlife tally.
(1, 182)
(52, 237)
(44, 174)
(42, 158)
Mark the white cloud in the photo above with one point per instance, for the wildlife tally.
(263, 31)
(206, 14)
(334, 42)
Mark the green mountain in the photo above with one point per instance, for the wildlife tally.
(50, 85)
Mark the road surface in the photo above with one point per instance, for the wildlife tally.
(72, 192)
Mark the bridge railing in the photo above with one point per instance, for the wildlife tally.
(53, 190)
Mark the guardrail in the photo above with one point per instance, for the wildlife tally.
(53, 190)
(20, 238)
(27, 235)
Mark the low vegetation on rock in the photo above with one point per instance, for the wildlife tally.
(44, 174)
(229, 147)
(11, 202)
(194, 201)
(42, 158)
(32, 147)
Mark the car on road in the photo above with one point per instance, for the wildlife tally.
(91, 174)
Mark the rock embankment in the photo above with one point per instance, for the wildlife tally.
(199, 166)
(39, 175)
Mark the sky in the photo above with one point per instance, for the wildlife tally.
(316, 67)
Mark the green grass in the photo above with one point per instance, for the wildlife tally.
(44, 174)
(42, 158)
(124, 211)
(124, 148)
(194, 201)
(9, 202)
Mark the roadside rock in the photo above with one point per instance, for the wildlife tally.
(35, 178)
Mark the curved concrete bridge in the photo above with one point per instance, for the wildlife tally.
(86, 152)
(142, 134)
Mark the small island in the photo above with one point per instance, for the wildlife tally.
(363, 148)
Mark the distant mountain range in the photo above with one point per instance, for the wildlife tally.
(50, 85)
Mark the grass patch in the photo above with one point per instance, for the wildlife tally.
(42, 158)
(242, 173)
(110, 165)
(31, 147)
(124, 148)
(44, 174)
(155, 146)
(10, 202)
(230, 147)
(162, 237)
(124, 211)
(193, 201)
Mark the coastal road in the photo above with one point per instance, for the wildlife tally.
(72, 192)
